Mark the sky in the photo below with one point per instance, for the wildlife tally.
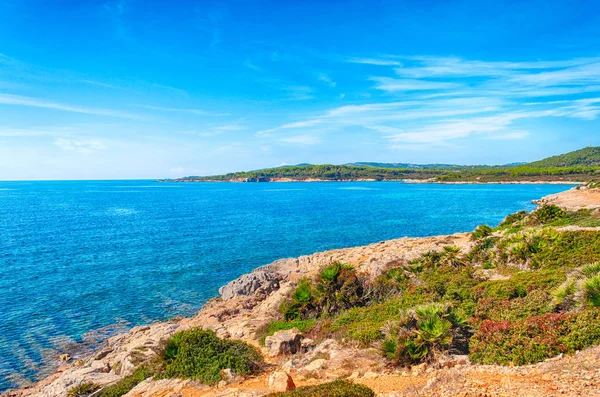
(154, 89)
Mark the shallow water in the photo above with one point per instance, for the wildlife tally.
(79, 256)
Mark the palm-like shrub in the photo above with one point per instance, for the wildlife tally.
(581, 287)
(422, 333)
(481, 231)
(591, 270)
(592, 291)
(338, 288)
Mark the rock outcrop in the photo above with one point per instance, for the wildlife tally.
(284, 342)
(281, 382)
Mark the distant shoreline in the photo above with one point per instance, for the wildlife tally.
(407, 181)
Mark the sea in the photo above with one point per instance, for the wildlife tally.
(80, 261)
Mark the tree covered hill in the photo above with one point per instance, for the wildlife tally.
(589, 156)
(581, 166)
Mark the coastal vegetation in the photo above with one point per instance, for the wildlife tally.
(199, 354)
(581, 166)
(338, 388)
(528, 290)
(193, 354)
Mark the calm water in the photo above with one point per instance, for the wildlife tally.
(77, 256)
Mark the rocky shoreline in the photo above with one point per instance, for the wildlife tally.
(250, 302)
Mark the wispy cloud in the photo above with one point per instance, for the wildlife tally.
(389, 84)
(18, 100)
(326, 79)
(299, 92)
(441, 100)
(306, 140)
(375, 61)
(84, 147)
(182, 110)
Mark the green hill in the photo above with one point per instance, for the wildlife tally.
(578, 166)
(590, 156)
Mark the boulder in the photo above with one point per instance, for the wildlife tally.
(284, 342)
(281, 382)
(247, 284)
(315, 365)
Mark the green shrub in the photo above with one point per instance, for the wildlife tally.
(563, 291)
(512, 220)
(201, 355)
(337, 289)
(364, 324)
(534, 339)
(592, 291)
(83, 389)
(591, 270)
(481, 231)
(520, 284)
(302, 325)
(422, 333)
(123, 386)
(488, 265)
(339, 388)
(302, 303)
(568, 249)
(547, 214)
(534, 303)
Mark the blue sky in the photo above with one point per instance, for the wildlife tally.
(151, 89)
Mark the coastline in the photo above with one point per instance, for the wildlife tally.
(407, 181)
(249, 312)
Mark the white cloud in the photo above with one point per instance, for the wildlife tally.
(84, 147)
(181, 110)
(18, 100)
(375, 61)
(306, 140)
(298, 92)
(326, 79)
(389, 84)
(512, 135)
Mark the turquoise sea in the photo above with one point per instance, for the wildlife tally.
(107, 255)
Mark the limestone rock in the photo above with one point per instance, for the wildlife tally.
(281, 382)
(249, 283)
(283, 342)
(316, 365)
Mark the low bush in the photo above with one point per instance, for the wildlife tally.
(512, 221)
(422, 333)
(123, 386)
(534, 303)
(520, 284)
(201, 355)
(592, 291)
(338, 288)
(481, 231)
(83, 390)
(303, 326)
(339, 388)
(547, 214)
(535, 338)
(364, 324)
